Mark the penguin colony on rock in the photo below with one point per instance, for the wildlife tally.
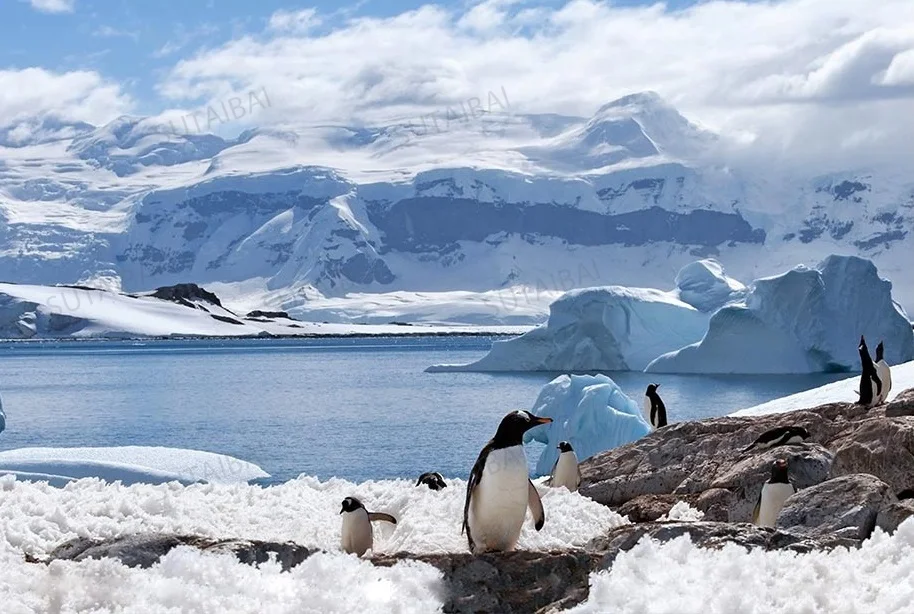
(499, 491)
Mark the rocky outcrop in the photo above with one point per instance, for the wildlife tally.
(846, 506)
(892, 515)
(703, 462)
(184, 294)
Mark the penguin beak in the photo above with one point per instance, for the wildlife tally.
(342, 509)
(542, 420)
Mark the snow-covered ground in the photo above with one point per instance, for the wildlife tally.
(29, 311)
(127, 464)
(843, 391)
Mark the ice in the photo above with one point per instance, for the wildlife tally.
(802, 321)
(2, 416)
(704, 285)
(876, 578)
(128, 465)
(611, 328)
(844, 391)
(590, 411)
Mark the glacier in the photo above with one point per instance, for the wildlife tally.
(615, 328)
(590, 411)
(806, 320)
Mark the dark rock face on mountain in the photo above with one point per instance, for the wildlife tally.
(183, 294)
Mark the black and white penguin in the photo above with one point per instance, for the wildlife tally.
(357, 536)
(779, 436)
(499, 490)
(870, 384)
(774, 493)
(654, 409)
(565, 471)
(432, 479)
(884, 373)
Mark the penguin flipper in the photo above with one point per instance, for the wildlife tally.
(472, 483)
(757, 509)
(536, 506)
(375, 516)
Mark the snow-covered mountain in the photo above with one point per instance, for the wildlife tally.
(291, 216)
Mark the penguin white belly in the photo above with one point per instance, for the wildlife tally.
(566, 471)
(885, 375)
(499, 502)
(646, 410)
(773, 497)
(356, 537)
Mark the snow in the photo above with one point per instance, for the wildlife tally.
(877, 578)
(128, 465)
(682, 512)
(32, 311)
(589, 411)
(843, 391)
(610, 328)
(802, 321)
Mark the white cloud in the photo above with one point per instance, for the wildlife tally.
(794, 74)
(109, 32)
(77, 96)
(54, 6)
(294, 21)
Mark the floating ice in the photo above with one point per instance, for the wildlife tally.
(802, 321)
(590, 411)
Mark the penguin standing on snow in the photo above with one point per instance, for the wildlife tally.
(654, 409)
(779, 436)
(884, 373)
(870, 384)
(499, 490)
(357, 536)
(565, 471)
(774, 493)
(432, 479)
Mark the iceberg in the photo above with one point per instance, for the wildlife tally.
(127, 464)
(802, 321)
(614, 328)
(590, 411)
(2, 417)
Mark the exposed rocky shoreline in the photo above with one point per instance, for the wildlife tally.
(848, 473)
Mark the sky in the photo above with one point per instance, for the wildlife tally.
(821, 79)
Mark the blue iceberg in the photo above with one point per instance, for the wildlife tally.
(590, 411)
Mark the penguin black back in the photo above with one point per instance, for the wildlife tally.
(868, 376)
(658, 409)
(880, 352)
(432, 479)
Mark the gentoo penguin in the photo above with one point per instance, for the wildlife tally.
(870, 384)
(884, 373)
(565, 471)
(775, 491)
(778, 437)
(433, 480)
(357, 534)
(654, 409)
(499, 490)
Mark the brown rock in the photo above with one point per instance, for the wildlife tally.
(648, 508)
(893, 514)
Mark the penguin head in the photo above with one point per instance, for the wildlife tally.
(351, 504)
(564, 446)
(862, 346)
(433, 480)
(779, 470)
(879, 351)
(652, 389)
(513, 426)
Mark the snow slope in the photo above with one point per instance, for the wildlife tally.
(28, 311)
(802, 321)
(590, 411)
(843, 391)
(127, 464)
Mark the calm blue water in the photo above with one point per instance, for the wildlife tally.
(354, 408)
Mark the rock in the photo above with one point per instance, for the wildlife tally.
(145, 549)
(648, 508)
(883, 447)
(893, 514)
(184, 294)
(259, 313)
(846, 506)
(716, 504)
